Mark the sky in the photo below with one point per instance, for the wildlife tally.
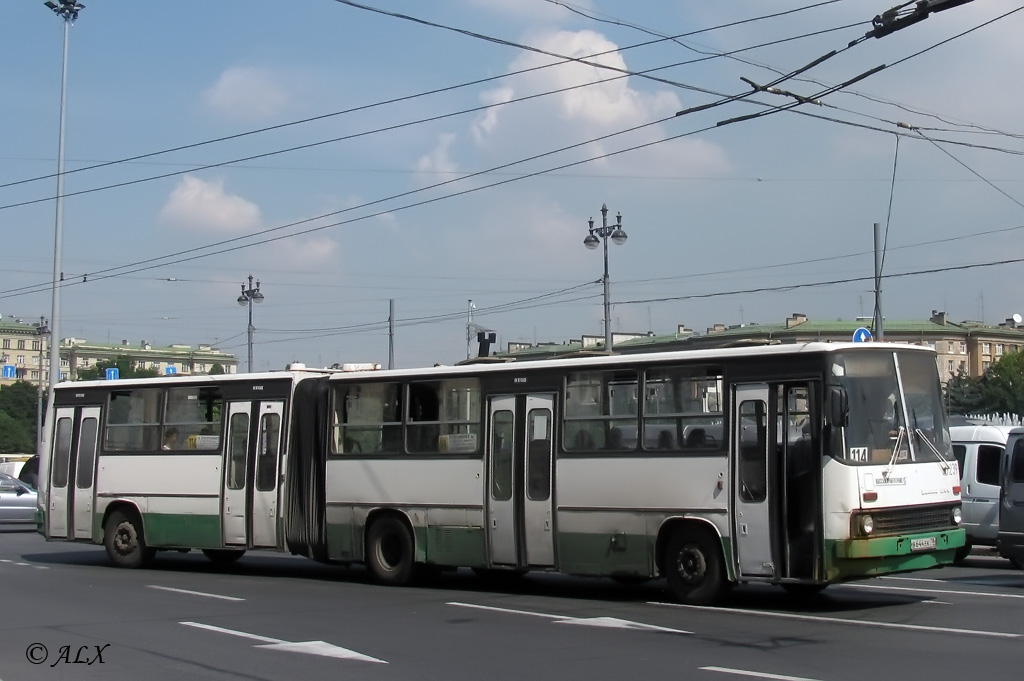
(350, 157)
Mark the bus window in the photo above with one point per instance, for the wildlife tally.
(502, 433)
(62, 453)
(195, 414)
(444, 416)
(133, 420)
(238, 445)
(753, 461)
(683, 409)
(266, 459)
(368, 418)
(538, 455)
(601, 410)
(86, 453)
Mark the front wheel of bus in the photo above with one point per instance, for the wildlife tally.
(122, 536)
(389, 550)
(693, 565)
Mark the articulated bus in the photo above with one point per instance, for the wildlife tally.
(799, 465)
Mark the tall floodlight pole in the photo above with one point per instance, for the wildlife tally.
(249, 296)
(41, 330)
(591, 241)
(68, 11)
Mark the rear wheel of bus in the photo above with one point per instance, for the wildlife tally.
(389, 551)
(125, 543)
(693, 564)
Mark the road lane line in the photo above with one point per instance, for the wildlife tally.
(195, 593)
(945, 592)
(841, 620)
(760, 675)
(509, 610)
(605, 622)
(232, 632)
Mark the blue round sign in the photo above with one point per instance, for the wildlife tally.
(861, 335)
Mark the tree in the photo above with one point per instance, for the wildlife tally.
(19, 404)
(964, 394)
(1002, 386)
(216, 369)
(15, 436)
(125, 366)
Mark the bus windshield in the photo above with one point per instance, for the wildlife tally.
(896, 413)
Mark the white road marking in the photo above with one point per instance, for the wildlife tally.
(606, 622)
(946, 592)
(760, 675)
(307, 647)
(914, 579)
(195, 593)
(841, 620)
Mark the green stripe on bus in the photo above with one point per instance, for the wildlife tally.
(605, 553)
(845, 558)
(182, 530)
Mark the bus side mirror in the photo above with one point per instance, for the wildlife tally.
(840, 407)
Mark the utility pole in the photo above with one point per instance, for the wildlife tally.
(879, 256)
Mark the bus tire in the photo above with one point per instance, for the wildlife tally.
(389, 551)
(694, 566)
(223, 556)
(124, 541)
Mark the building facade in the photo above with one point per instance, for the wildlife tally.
(960, 346)
(25, 355)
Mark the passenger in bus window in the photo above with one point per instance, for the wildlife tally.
(170, 438)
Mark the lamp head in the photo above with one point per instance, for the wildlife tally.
(591, 241)
(618, 237)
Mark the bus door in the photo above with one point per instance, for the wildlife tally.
(252, 457)
(520, 463)
(752, 527)
(73, 473)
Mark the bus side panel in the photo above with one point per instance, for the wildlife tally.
(178, 495)
(442, 499)
(610, 510)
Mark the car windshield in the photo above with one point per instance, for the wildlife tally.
(895, 409)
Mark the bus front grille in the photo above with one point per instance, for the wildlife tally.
(911, 520)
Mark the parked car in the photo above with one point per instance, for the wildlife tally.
(17, 502)
(979, 451)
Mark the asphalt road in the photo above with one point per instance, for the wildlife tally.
(67, 614)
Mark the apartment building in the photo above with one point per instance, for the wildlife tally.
(25, 355)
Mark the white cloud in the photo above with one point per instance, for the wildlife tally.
(439, 160)
(204, 206)
(247, 92)
(486, 123)
(306, 254)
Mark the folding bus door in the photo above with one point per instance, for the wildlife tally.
(72, 470)
(252, 457)
(520, 465)
(752, 527)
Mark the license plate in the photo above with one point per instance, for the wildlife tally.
(923, 544)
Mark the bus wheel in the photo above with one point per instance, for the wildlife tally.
(122, 535)
(223, 556)
(693, 565)
(389, 550)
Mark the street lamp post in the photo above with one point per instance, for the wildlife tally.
(68, 11)
(249, 296)
(591, 241)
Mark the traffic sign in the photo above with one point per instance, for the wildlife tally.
(170, 371)
(10, 371)
(861, 335)
(113, 373)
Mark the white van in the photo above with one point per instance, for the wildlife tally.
(979, 451)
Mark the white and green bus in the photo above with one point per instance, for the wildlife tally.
(799, 465)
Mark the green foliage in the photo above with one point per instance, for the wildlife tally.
(18, 405)
(217, 369)
(125, 366)
(964, 395)
(1002, 386)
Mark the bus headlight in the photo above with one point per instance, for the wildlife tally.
(867, 524)
(956, 515)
